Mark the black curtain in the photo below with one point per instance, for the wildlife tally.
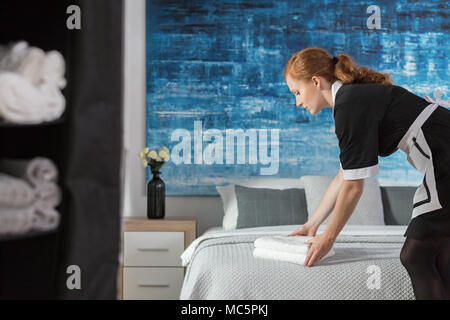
(94, 147)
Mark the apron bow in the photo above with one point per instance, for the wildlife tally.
(437, 99)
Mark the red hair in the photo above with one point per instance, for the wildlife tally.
(309, 62)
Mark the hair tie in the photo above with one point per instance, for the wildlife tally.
(335, 60)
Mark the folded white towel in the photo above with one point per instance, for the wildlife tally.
(35, 171)
(284, 243)
(298, 258)
(282, 247)
(15, 192)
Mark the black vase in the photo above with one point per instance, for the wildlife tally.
(156, 197)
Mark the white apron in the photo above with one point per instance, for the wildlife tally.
(420, 157)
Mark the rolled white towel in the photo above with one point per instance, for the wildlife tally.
(44, 218)
(55, 102)
(15, 192)
(298, 258)
(31, 66)
(36, 170)
(48, 194)
(53, 70)
(12, 55)
(20, 101)
(16, 220)
(31, 82)
(52, 74)
(34, 64)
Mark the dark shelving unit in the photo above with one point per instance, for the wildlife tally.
(29, 261)
(85, 144)
(8, 124)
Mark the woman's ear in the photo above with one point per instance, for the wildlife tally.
(317, 82)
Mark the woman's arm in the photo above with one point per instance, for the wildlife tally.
(346, 202)
(327, 203)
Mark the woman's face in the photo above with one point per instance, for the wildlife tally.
(307, 93)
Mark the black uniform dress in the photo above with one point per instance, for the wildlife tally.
(374, 120)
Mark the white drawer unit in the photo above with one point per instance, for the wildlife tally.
(153, 248)
(152, 283)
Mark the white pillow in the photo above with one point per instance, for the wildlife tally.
(228, 195)
(368, 211)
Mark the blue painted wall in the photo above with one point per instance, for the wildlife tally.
(221, 63)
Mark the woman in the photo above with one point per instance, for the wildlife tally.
(373, 117)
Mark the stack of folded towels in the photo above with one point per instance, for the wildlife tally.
(286, 248)
(29, 195)
(30, 84)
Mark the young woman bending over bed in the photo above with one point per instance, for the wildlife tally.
(373, 117)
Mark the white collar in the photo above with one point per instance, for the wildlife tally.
(334, 89)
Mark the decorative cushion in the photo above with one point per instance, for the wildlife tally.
(228, 195)
(368, 211)
(259, 207)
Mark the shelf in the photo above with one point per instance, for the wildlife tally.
(8, 124)
(26, 235)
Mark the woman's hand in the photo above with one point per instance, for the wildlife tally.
(320, 245)
(304, 230)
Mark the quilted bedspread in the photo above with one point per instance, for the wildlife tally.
(366, 265)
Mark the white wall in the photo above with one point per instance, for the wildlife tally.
(208, 209)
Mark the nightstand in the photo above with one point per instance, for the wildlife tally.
(151, 256)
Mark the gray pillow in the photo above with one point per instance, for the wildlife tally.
(368, 211)
(398, 204)
(258, 207)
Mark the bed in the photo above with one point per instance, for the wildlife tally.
(366, 265)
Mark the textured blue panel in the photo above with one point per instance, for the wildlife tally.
(222, 62)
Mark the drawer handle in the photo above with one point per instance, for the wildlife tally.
(149, 285)
(153, 249)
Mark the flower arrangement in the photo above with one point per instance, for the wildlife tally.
(154, 159)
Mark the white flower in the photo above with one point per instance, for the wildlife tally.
(165, 149)
(162, 154)
(152, 155)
